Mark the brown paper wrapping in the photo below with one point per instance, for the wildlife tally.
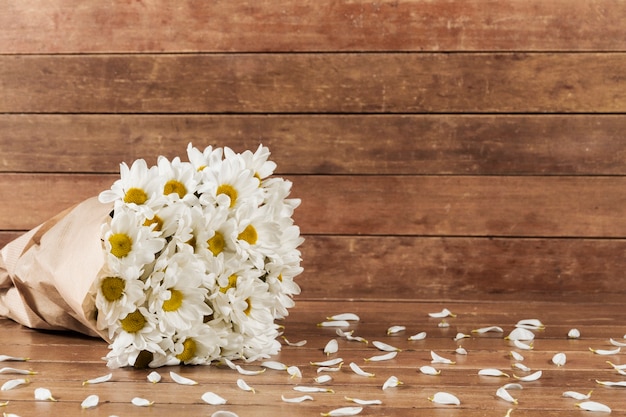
(46, 274)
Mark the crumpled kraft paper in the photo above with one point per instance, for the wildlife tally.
(47, 273)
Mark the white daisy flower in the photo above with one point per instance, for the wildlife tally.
(257, 162)
(178, 180)
(202, 159)
(117, 296)
(230, 184)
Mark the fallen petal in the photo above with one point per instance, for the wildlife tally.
(605, 352)
(395, 329)
(43, 394)
(594, 406)
(302, 388)
(460, 336)
(385, 347)
(357, 370)
(228, 363)
(181, 379)
(616, 367)
(297, 399)
(445, 398)
(364, 402)
(344, 411)
(9, 385)
(577, 395)
(532, 324)
(219, 413)
(559, 359)
(418, 336)
(384, 357)
(616, 343)
(90, 402)
(520, 333)
(243, 371)
(277, 366)
(244, 386)
(330, 362)
(322, 379)
(7, 370)
(523, 346)
(517, 356)
(504, 394)
(461, 351)
(296, 344)
(492, 372)
(98, 380)
(521, 367)
(344, 316)
(331, 347)
(4, 358)
(329, 368)
(573, 334)
(443, 313)
(4, 404)
(532, 377)
(212, 398)
(391, 382)
(429, 370)
(154, 377)
(141, 402)
(334, 323)
(512, 385)
(348, 336)
(612, 384)
(488, 329)
(440, 359)
(294, 372)
(443, 324)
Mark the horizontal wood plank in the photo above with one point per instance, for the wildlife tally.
(326, 144)
(408, 25)
(314, 83)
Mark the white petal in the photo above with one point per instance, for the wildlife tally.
(243, 371)
(577, 395)
(228, 363)
(4, 404)
(348, 336)
(277, 366)
(297, 399)
(218, 413)
(302, 388)
(523, 346)
(43, 394)
(443, 313)
(331, 347)
(440, 359)
(90, 402)
(4, 358)
(384, 357)
(512, 385)
(594, 406)
(294, 372)
(154, 377)
(460, 336)
(559, 359)
(364, 402)
(344, 316)
(492, 372)
(330, 362)
(488, 329)
(395, 329)
(385, 347)
(391, 382)
(460, 351)
(141, 402)
(244, 386)
(295, 344)
(616, 367)
(517, 356)
(329, 368)
(98, 380)
(418, 336)
(532, 377)
(344, 411)
(521, 367)
(9, 414)
(612, 384)
(504, 394)
(443, 324)
(357, 370)
(213, 399)
(445, 398)
(337, 323)
(520, 333)
(181, 379)
(7, 370)
(616, 343)
(605, 352)
(322, 379)
(573, 334)
(533, 324)
(429, 370)
(9, 385)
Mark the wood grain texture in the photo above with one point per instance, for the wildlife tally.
(326, 144)
(315, 83)
(69, 26)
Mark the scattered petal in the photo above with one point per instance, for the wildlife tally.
(508, 412)
(329, 368)
(244, 386)
(384, 357)
(612, 384)
(98, 380)
(605, 352)
(302, 388)
(391, 382)
(445, 398)
(4, 358)
(344, 317)
(4, 404)
(294, 372)
(385, 347)
(460, 351)
(418, 336)
(616, 367)
(43, 394)
(243, 371)
(492, 372)
(141, 402)
(357, 370)
(330, 362)
(218, 413)
(577, 395)
(488, 329)
(181, 379)
(364, 402)
(277, 366)
(16, 371)
(154, 377)
(429, 370)
(512, 385)
(296, 344)
(504, 394)
(523, 346)
(228, 363)
(616, 343)
(297, 399)
(520, 333)
(9, 385)
(517, 356)
(559, 359)
(443, 313)
(521, 367)
(337, 323)
(532, 324)
(532, 377)
(395, 329)
(440, 359)
(443, 324)
(348, 336)
(212, 398)
(460, 336)
(594, 406)
(573, 334)
(343, 411)
(90, 402)
(322, 379)
(331, 347)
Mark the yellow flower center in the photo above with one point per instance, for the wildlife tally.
(189, 350)
(112, 288)
(230, 191)
(232, 283)
(192, 242)
(249, 308)
(175, 301)
(135, 195)
(249, 234)
(121, 244)
(133, 322)
(280, 277)
(156, 221)
(175, 186)
(216, 243)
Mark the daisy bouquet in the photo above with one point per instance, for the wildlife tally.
(195, 261)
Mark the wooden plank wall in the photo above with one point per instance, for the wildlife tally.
(446, 149)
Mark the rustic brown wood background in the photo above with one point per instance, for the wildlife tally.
(440, 148)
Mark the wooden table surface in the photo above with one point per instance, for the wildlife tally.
(63, 361)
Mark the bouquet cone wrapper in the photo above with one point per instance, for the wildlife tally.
(46, 274)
